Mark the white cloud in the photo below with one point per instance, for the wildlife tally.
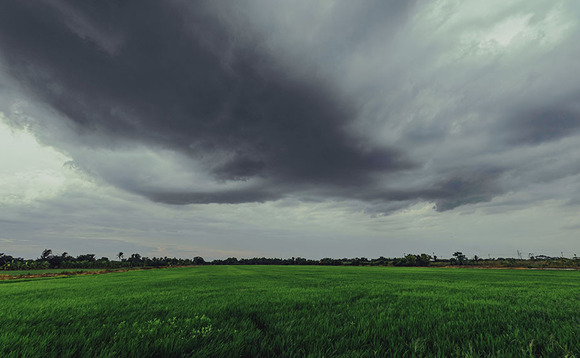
(29, 171)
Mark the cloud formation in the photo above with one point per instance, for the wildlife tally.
(179, 79)
(384, 103)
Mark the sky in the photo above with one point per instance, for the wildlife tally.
(258, 128)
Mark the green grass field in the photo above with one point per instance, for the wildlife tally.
(271, 311)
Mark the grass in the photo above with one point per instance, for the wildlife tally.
(271, 311)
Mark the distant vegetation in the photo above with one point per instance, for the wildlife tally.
(49, 260)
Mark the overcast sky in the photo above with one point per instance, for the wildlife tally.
(290, 128)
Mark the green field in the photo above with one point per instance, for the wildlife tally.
(294, 311)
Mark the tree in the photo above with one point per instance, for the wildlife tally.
(5, 260)
(120, 255)
(423, 260)
(413, 260)
(231, 261)
(46, 255)
(459, 256)
(198, 260)
(135, 259)
(86, 257)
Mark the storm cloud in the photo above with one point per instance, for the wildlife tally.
(176, 77)
(204, 102)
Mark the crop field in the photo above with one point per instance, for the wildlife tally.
(294, 311)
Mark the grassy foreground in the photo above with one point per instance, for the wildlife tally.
(293, 311)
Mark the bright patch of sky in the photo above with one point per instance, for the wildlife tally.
(29, 171)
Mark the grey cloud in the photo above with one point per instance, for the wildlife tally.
(169, 85)
(474, 187)
(222, 197)
(539, 125)
(386, 103)
(456, 188)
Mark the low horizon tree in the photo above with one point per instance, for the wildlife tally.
(46, 255)
(460, 257)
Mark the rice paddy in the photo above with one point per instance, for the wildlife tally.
(294, 311)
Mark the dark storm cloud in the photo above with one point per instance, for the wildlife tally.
(458, 188)
(538, 125)
(387, 103)
(469, 188)
(178, 77)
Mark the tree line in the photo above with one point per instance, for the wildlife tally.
(49, 260)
